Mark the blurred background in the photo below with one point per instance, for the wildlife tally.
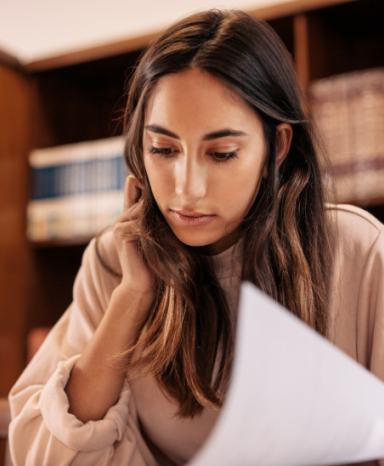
(63, 68)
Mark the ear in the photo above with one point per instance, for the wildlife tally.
(284, 133)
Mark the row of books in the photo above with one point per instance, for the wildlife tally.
(77, 189)
(349, 109)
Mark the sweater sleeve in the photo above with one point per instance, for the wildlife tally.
(370, 323)
(42, 431)
(371, 309)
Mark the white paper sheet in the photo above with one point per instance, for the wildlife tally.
(294, 398)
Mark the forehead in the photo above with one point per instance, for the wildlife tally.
(196, 98)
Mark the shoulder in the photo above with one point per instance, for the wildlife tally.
(354, 228)
(356, 299)
(354, 215)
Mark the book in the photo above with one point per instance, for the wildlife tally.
(77, 189)
(349, 109)
(294, 399)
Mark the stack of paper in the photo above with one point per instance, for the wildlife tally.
(294, 398)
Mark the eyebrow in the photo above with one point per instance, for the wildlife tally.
(222, 133)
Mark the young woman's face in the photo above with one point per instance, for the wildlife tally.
(203, 153)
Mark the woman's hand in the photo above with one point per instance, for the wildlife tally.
(95, 383)
(137, 279)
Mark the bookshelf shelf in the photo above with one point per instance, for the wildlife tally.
(57, 243)
(80, 97)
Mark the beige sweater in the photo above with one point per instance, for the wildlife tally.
(42, 431)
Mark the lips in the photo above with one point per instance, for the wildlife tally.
(191, 219)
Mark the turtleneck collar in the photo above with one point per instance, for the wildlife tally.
(229, 262)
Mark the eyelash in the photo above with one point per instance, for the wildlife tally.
(218, 157)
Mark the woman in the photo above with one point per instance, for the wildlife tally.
(226, 186)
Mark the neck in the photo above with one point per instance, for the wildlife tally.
(224, 243)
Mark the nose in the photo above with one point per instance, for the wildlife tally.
(191, 182)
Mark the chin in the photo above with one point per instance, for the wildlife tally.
(196, 239)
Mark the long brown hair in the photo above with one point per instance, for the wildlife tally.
(286, 247)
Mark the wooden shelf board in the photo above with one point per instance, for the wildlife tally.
(75, 241)
(280, 10)
(294, 7)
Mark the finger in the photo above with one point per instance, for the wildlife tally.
(132, 191)
(131, 214)
(125, 228)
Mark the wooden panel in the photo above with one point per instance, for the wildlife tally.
(51, 283)
(301, 54)
(346, 38)
(2, 451)
(14, 148)
(81, 102)
(284, 28)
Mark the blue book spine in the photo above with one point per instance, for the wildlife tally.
(79, 178)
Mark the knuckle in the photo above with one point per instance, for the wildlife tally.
(122, 231)
(118, 229)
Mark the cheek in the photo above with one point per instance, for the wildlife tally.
(160, 178)
(241, 201)
(240, 191)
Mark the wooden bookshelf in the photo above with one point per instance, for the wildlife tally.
(79, 97)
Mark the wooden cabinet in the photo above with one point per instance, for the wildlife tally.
(15, 119)
(80, 97)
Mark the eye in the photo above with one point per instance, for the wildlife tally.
(166, 151)
(220, 157)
